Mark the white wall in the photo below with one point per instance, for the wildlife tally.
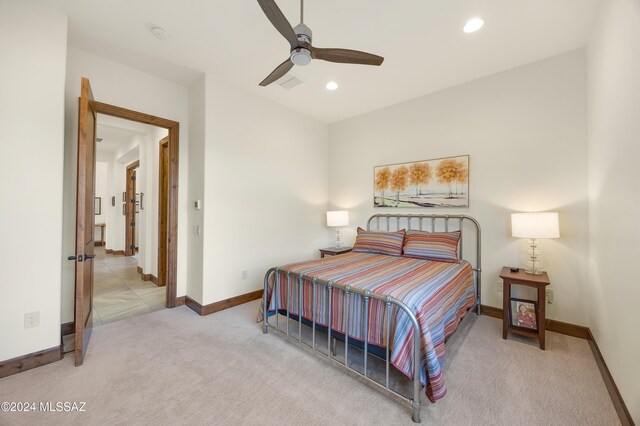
(525, 132)
(100, 189)
(265, 186)
(614, 149)
(126, 87)
(196, 188)
(32, 39)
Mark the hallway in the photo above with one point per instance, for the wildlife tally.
(119, 291)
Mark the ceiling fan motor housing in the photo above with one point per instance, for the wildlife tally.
(300, 55)
(303, 32)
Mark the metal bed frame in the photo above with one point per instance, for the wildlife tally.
(292, 277)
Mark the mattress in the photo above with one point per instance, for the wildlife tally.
(438, 293)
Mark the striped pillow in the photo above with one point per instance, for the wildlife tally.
(441, 246)
(379, 242)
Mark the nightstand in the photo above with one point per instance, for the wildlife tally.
(333, 251)
(524, 321)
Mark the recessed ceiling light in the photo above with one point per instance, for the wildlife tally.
(159, 33)
(473, 25)
(332, 85)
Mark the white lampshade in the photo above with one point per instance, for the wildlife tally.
(338, 218)
(535, 225)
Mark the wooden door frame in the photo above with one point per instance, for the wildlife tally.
(162, 212)
(130, 209)
(172, 199)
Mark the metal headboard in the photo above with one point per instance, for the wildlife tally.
(434, 223)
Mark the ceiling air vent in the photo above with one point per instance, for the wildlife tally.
(289, 81)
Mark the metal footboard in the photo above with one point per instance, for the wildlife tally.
(329, 286)
(383, 222)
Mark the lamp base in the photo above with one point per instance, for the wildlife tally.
(534, 271)
(338, 241)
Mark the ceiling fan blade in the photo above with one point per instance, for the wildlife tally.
(346, 56)
(277, 18)
(281, 70)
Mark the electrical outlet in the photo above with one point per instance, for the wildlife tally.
(549, 296)
(499, 286)
(31, 319)
(245, 274)
(196, 230)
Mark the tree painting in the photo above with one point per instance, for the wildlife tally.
(442, 182)
(462, 174)
(419, 174)
(399, 181)
(447, 172)
(383, 179)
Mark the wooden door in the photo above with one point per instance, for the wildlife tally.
(130, 237)
(163, 208)
(84, 221)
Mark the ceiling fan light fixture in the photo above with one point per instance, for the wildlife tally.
(332, 85)
(301, 56)
(473, 25)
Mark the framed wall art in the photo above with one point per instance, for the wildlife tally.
(442, 182)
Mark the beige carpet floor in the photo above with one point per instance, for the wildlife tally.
(174, 367)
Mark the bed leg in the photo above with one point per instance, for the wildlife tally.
(333, 346)
(416, 411)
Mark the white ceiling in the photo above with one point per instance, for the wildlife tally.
(112, 137)
(422, 41)
(117, 132)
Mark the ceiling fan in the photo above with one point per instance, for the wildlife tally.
(302, 51)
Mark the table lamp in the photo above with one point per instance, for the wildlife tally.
(337, 219)
(534, 226)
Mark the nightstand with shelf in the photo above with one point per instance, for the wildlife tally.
(334, 251)
(539, 282)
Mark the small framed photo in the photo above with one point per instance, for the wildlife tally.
(124, 197)
(97, 206)
(124, 209)
(524, 314)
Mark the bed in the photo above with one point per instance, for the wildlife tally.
(406, 307)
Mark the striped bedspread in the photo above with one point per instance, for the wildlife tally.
(438, 293)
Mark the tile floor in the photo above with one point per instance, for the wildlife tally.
(118, 289)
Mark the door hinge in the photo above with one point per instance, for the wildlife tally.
(133, 178)
(132, 247)
(133, 224)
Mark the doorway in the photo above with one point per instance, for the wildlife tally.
(132, 205)
(168, 234)
(85, 221)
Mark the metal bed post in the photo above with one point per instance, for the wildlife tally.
(288, 298)
(277, 296)
(300, 295)
(313, 331)
(329, 318)
(265, 322)
(346, 326)
(366, 329)
(388, 312)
